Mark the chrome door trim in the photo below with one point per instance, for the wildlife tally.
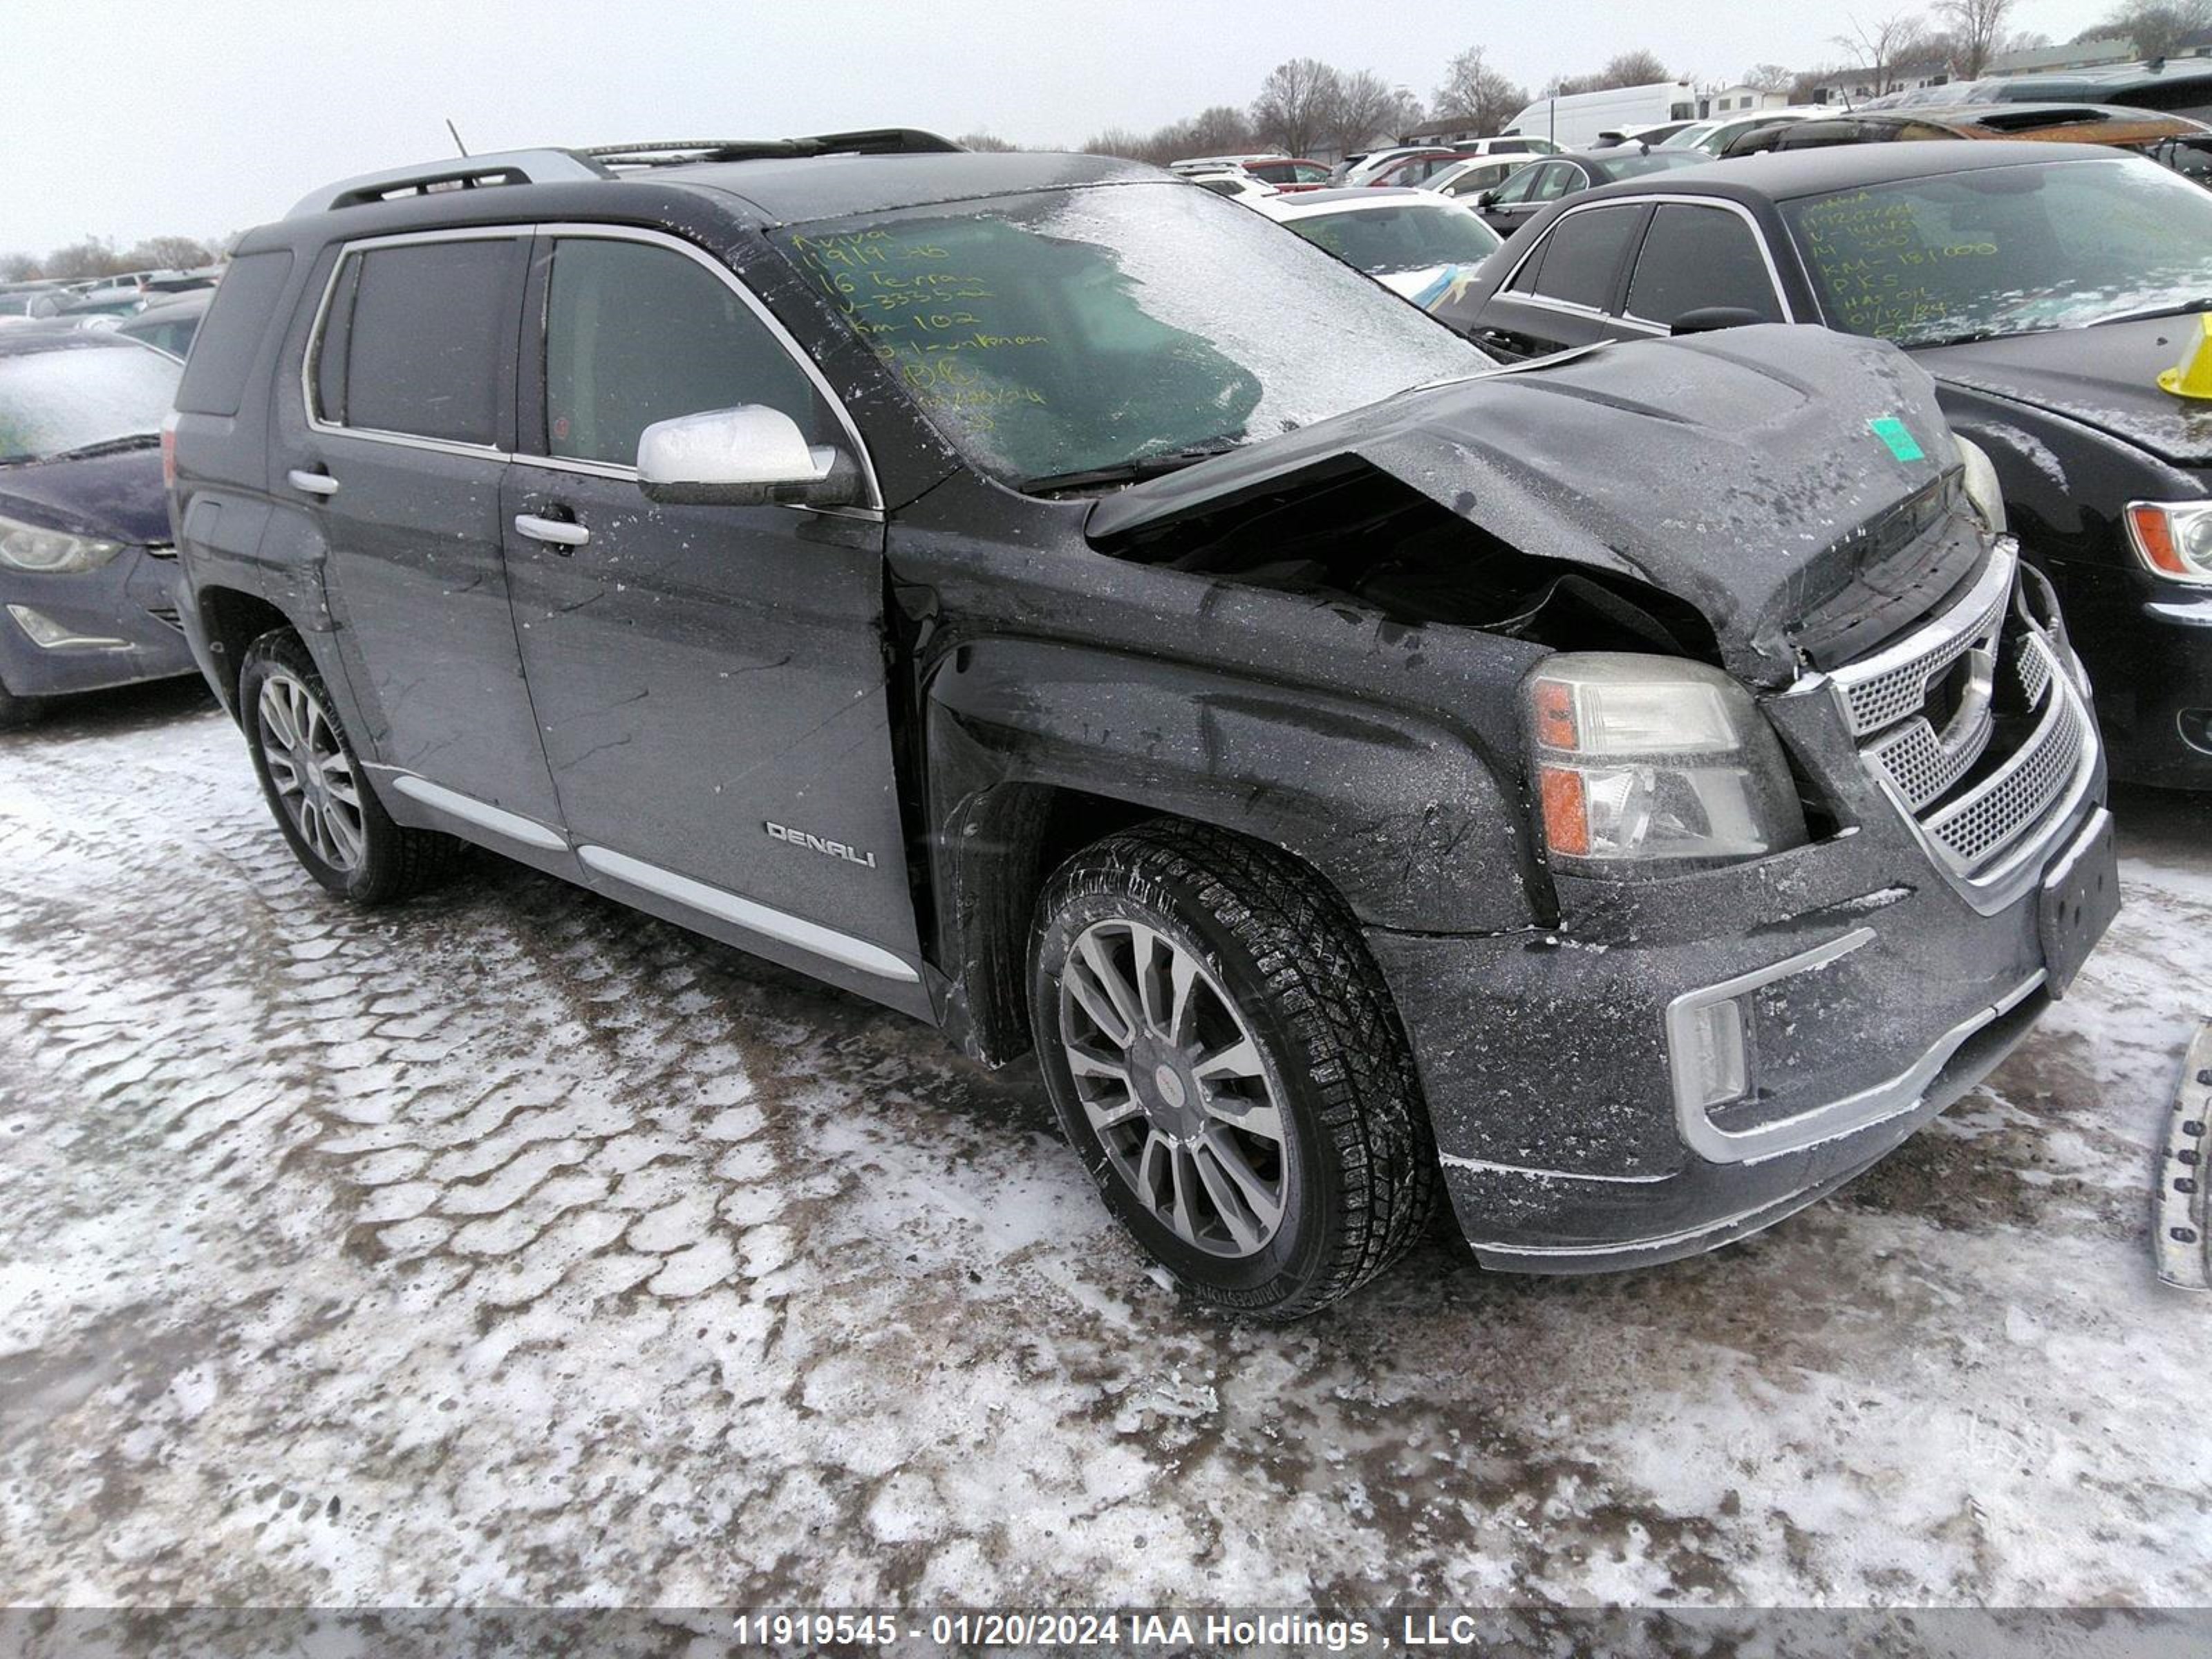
(798, 353)
(748, 914)
(511, 826)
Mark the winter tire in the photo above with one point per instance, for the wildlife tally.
(1224, 1056)
(315, 787)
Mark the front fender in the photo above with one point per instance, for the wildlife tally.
(1397, 809)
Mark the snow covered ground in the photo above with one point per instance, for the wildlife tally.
(514, 1248)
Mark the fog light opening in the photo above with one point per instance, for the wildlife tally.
(1715, 1066)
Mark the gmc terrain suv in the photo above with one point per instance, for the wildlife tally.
(1633, 790)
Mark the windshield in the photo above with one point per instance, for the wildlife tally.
(2006, 251)
(1632, 166)
(1688, 137)
(51, 402)
(1069, 331)
(1404, 236)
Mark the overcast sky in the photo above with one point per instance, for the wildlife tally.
(202, 117)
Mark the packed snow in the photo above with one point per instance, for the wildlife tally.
(511, 1247)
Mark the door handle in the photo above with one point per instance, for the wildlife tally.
(552, 530)
(314, 483)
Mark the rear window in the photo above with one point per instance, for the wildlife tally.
(413, 340)
(1583, 255)
(223, 356)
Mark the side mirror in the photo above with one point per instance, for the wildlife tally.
(1486, 201)
(1707, 319)
(749, 455)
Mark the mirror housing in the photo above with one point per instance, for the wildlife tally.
(1487, 199)
(1707, 319)
(748, 456)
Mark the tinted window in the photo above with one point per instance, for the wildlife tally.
(420, 342)
(245, 300)
(635, 334)
(1698, 256)
(1583, 255)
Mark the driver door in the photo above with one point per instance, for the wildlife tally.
(709, 681)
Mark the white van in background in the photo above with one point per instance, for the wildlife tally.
(1580, 120)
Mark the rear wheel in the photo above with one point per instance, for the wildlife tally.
(1223, 1054)
(313, 781)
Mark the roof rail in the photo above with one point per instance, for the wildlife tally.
(870, 141)
(543, 166)
(513, 167)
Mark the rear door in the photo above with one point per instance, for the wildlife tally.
(408, 418)
(1564, 291)
(710, 680)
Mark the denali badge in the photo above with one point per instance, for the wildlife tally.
(835, 849)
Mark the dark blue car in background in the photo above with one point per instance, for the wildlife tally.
(86, 568)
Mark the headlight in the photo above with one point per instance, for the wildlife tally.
(1981, 483)
(1649, 764)
(2173, 540)
(55, 552)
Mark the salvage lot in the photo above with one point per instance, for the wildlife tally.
(513, 1248)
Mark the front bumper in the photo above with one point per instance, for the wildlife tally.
(2148, 643)
(131, 600)
(1873, 982)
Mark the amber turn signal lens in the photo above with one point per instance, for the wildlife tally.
(1555, 715)
(2154, 535)
(1566, 812)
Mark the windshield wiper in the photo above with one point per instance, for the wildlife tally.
(2182, 308)
(105, 446)
(1145, 466)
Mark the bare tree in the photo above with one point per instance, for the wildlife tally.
(1640, 68)
(1126, 143)
(19, 267)
(169, 253)
(1222, 130)
(981, 141)
(1881, 46)
(96, 256)
(1976, 29)
(1367, 107)
(1474, 94)
(1297, 105)
(1770, 77)
(2158, 28)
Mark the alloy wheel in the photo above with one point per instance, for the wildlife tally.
(1183, 1103)
(311, 771)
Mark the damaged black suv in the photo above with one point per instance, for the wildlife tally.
(1630, 792)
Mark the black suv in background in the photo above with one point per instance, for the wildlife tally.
(1635, 790)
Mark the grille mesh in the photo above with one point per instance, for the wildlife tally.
(1983, 825)
(1883, 699)
(1895, 708)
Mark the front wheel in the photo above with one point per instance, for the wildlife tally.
(336, 828)
(1223, 1054)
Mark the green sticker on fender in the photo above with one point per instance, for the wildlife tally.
(1894, 433)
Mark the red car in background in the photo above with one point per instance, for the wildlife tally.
(1290, 173)
(1414, 167)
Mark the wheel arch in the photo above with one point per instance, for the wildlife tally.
(1036, 749)
(231, 619)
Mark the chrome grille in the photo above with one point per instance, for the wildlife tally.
(1898, 684)
(1930, 742)
(1982, 823)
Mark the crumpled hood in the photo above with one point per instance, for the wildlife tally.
(113, 497)
(1738, 471)
(2105, 377)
